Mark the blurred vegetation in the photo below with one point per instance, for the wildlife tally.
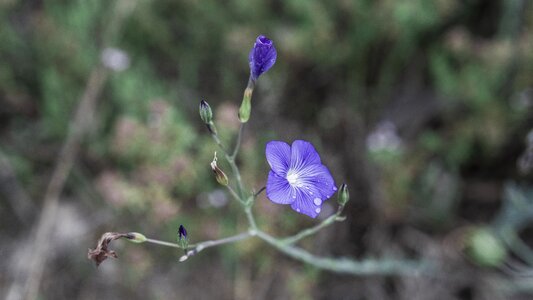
(422, 107)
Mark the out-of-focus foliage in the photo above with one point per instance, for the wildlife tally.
(421, 106)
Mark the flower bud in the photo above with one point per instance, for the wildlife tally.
(183, 241)
(182, 232)
(136, 237)
(246, 105)
(219, 174)
(343, 195)
(262, 56)
(205, 112)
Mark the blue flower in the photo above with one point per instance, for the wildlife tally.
(297, 177)
(262, 56)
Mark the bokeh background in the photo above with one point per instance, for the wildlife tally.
(422, 107)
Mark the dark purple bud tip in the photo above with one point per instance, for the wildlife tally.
(182, 233)
(262, 56)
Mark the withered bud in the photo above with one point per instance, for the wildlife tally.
(219, 174)
(102, 252)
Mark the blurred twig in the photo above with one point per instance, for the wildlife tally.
(13, 191)
(39, 247)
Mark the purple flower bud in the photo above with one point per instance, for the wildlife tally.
(182, 233)
(262, 56)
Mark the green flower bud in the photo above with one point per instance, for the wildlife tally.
(343, 195)
(219, 174)
(484, 248)
(136, 237)
(246, 105)
(205, 112)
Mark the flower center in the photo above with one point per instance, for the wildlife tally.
(292, 178)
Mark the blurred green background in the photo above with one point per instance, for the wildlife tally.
(422, 107)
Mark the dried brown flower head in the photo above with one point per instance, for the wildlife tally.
(102, 252)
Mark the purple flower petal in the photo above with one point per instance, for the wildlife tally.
(307, 204)
(278, 155)
(319, 177)
(279, 190)
(262, 56)
(303, 154)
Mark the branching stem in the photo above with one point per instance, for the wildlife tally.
(196, 248)
(310, 231)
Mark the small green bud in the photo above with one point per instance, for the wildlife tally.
(484, 248)
(219, 174)
(246, 105)
(136, 237)
(205, 112)
(344, 195)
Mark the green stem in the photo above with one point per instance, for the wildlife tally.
(238, 142)
(347, 266)
(196, 248)
(206, 244)
(237, 174)
(250, 217)
(163, 243)
(310, 231)
(234, 194)
(219, 142)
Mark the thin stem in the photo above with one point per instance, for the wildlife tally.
(237, 174)
(250, 217)
(207, 244)
(310, 231)
(234, 194)
(219, 143)
(227, 240)
(163, 243)
(348, 266)
(259, 192)
(238, 142)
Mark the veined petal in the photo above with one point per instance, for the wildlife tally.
(303, 154)
(278, 155)
(279, 190)
(319, 177)
(306, 204)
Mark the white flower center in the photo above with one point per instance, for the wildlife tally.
(292, 178)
